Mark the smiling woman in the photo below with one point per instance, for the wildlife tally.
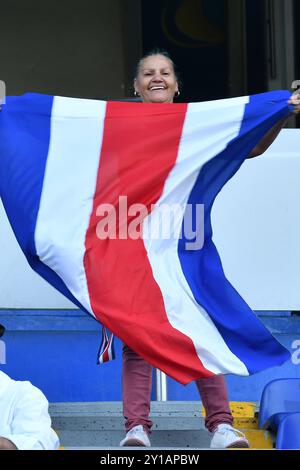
(157, 82)
(156, 79)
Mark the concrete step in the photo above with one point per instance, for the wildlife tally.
(176, 425)
(159, 439)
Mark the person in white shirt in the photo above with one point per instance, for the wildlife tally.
(25, 423)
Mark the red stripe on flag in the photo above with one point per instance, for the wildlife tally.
(139, 149)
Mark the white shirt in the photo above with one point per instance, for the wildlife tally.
(24, 417)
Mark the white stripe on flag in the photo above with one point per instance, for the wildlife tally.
(205, 134)
(64, 214)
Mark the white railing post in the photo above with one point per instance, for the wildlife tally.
(161, 386)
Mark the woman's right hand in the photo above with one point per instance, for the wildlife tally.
(295, 101)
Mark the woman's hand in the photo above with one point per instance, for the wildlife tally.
(295, 101)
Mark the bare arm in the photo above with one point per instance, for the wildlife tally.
(269, 138)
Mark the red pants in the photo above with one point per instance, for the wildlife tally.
(137, 384)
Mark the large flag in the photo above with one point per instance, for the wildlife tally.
(69, 171)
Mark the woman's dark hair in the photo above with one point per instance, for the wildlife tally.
(158, 51)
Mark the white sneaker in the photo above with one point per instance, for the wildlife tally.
(226, 437)
(136, 436)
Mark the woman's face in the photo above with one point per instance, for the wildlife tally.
(156, 81)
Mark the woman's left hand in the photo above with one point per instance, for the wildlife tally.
(295, 101)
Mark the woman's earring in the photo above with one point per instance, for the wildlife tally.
(177, 94)
(136, 93)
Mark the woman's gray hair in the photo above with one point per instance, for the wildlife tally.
(158, 51)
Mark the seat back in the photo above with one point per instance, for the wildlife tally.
(279, 397)
(288, 436)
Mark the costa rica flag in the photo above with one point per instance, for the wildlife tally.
(67, 167)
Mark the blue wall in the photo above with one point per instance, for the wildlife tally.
(57, 351)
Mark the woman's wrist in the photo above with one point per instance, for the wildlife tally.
(295, 102)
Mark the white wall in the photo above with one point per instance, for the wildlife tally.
(256, 220)
(21, 287)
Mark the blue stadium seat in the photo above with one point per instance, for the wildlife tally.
(288, 436)
(279, 398)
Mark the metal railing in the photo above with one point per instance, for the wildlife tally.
(161, 386)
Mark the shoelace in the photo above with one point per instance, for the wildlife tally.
(237, 432)
(133, 432)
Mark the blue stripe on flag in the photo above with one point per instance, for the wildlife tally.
(25, 125)
(243, 333)
(23, 160)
